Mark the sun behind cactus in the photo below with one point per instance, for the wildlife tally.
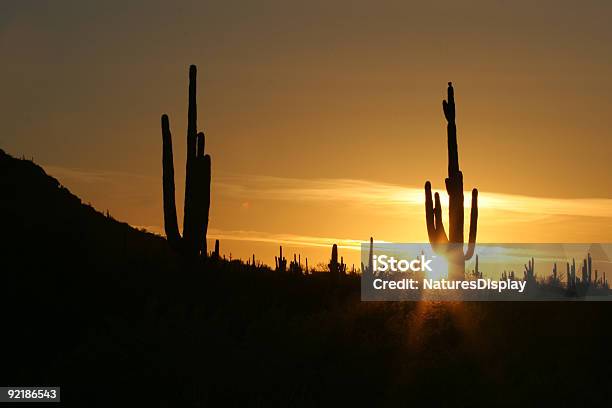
(451, 248)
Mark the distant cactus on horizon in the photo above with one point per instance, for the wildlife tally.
(529, 273)
(280, 261)
(197, 183)
(368, 270)
(336, 268)
(452, 245)
(295, 266)
(571, 275)
(476, 272)
(215, 254)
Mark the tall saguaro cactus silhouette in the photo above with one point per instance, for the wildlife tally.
(197, 183)
(451, 246)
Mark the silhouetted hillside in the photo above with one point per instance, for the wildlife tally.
(113, 316)
(94, 300)
(36, 206)
(67, 268)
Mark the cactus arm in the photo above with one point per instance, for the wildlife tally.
(473, 226)
(201, 141)
(204, 205)
(433, 216)
(201, 194)
(170, 220)
(440, 232)
(429, 214)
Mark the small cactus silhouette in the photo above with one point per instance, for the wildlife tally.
(529, 273)
(197, 183)
(336, 268)
(452, 245)
(477, 273)
(215, 254)
(280, 261)
(295, 266)
(571, 276)
(368, 270)
(554, 279)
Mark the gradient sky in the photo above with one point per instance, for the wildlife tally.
(323, 118)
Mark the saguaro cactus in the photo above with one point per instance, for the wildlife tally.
(197, 183)
(368, 270)
(529, 273)
(336, 268)
(333, 262)
(452, 248)
(589, 266)
(215, 254)
(280, 261)
(571, 275)
(295, 266)
(555, 275)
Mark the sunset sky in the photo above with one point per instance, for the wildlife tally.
(323, 118)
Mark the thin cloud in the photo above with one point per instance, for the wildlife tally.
(108, 189)
(396, 197)
(356, 193)
(285, 239)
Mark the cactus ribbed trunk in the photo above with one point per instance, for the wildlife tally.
(197, 183)
(452, 245)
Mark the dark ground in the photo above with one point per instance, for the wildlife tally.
(112, 316)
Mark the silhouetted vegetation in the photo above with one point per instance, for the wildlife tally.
(113, 314)
(197, 183)
(295, 266)
(368, 270)
(451, 245)
(529, 273)
(281, 261)
(117, 316)
(336, 268)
